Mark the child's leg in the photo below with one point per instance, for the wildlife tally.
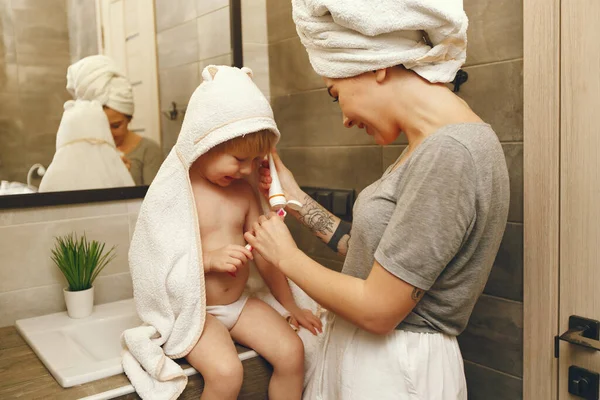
(215, 357)
(264, 330)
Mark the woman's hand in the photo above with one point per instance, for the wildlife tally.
(291, 190)
(305, 318)
(227, 259)
(272, 239)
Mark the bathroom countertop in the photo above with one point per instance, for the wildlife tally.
(23, 375)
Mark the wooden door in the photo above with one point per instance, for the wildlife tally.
(128, 35)
(579, 279)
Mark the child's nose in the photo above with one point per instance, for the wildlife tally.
(246, 169)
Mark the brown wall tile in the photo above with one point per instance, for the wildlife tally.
(312, 119)
(506, 279)
(280, 24)
(41, 30)
(514, 162)
(494, 337)
(9, 77)
(6, 20)
(44, 79)
(495, 93)
(310, 244)
(8, 49)
(334, 167)
(46, 107)
(488, 384)
(290, 70)
(495, 30)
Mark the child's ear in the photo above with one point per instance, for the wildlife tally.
(248, 71)
(209, 72)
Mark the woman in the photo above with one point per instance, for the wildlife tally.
(98, 78)
(425, 235)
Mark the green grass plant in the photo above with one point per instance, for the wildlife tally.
(80, 260)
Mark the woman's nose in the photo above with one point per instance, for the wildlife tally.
(348, 123)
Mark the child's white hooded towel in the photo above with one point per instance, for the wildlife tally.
(86, 156)
(165, 256)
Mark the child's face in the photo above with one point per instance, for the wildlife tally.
(222, 168)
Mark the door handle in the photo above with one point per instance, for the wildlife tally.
(582, 332)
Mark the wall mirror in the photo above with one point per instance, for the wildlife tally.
(150, 42)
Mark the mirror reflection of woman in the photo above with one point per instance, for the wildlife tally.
(98, 78)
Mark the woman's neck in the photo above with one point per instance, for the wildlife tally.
(423, 107)
(129, 142)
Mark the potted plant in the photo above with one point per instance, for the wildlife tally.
(80, 262)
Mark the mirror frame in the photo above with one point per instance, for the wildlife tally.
(45, 199)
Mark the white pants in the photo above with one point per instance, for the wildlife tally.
(356, 365)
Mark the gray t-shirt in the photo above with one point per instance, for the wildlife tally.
(436, 222)
(146, 158)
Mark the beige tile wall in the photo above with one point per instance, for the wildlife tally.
(30, 283)
(321, 152)
(34, 55)
(255, 42)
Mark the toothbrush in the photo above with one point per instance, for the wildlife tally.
(277, 199)
(281, 213)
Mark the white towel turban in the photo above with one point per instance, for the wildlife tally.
(98, 78)
(346, 38)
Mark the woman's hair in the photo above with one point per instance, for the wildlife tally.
(260, 142)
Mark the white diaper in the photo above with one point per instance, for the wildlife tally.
(229, 314)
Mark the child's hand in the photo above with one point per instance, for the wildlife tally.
(305, 318)
(227, 259)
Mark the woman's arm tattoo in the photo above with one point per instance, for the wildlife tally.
(316, 217)
(417, 294)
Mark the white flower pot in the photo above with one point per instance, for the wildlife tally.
(79, 303)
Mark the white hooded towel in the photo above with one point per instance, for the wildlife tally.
(86, 156)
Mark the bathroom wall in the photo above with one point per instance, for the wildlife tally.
(192, 34)
(321, 152)
(30, 283)
(34, 55)
(83, 28)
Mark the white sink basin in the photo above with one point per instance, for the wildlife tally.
(78, 351)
